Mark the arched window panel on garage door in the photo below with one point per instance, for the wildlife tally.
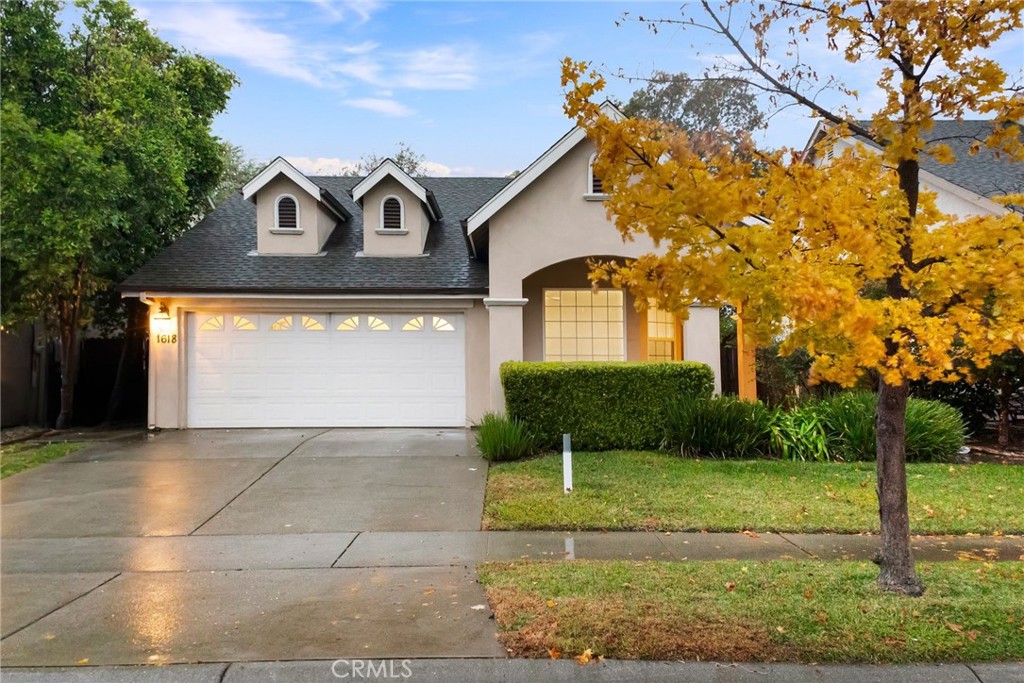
(281, 323)
(314, 323)
(211, 323)
(243, 323)
(346, 323)
(413, 324)
(377, 324)
(442, 324)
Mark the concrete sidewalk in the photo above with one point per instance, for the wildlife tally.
(524, 671)
(379, 549)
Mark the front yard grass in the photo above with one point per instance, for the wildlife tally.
(18, 457)
(659, 491)
(756, 611)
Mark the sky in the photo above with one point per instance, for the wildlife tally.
(472, 86)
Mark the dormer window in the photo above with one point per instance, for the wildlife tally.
(595, 186)
(286, 213)
(392, 215)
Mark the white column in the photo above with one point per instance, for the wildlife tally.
(166, 337)
(506, 331)
(701, 340)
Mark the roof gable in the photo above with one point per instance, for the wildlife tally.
(389, 169)
(982, 175)
(280, 166)
(534, 171)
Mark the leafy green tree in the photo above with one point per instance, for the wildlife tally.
(696, 105)
(238, 170)
(405, 157)
(107, 157)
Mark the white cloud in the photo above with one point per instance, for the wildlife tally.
(360, 48)
(444, 67)
(432, 168)
(338, 166)
(381, 106)
(323, 165)
(362, 68)
(224, 31)
(362, 10)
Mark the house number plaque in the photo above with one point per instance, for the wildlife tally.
(167, 338)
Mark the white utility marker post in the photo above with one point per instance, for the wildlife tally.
(566, 463)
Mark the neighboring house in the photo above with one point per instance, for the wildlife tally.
(391, 300)
(963, 188)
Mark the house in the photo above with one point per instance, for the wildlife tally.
(963, 188)
(391, 300)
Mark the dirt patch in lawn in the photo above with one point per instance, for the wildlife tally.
(531, 627)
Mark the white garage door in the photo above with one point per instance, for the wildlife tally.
(326, 370)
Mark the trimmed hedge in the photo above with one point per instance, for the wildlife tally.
(604, 406)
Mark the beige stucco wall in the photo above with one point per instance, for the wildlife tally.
(408, 242)
(550, 222)
(306, 242)
(168, 369)
(325, 224)
(699, 344)
(478, 396)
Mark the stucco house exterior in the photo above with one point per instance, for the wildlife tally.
(391, 300)
(963, 188)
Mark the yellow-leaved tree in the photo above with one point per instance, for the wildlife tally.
(851, 260)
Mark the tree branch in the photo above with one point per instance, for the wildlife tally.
(781, 87)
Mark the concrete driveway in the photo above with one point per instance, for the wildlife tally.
(226, 545)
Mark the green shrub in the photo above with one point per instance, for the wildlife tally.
(799, 435)
(849, 422)
(604, 406)
(841, 427)
(503, 438)
(935, 431)
(978, 402)
(720, 427)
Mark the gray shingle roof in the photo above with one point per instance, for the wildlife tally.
(985, 173)
(213, 256)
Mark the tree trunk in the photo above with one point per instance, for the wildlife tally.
(69, 319)
(895, 558)
(69, 355)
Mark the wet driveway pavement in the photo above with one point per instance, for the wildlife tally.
(224, 545)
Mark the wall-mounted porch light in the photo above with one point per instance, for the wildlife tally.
(163, 313)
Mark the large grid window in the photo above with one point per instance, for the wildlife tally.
(580, 324)
(661, 334)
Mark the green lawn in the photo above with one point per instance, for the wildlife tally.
(756, 611)
(27, 454)
(659, 491)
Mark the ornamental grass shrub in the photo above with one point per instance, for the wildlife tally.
(840, 427)
(721, 427)
(504, 438)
